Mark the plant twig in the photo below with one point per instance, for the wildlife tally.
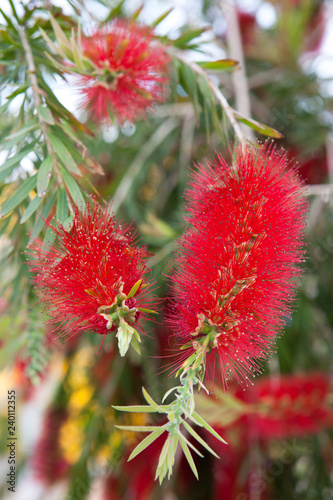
(215, 90)
(157, 138)
(240, 84)
(37, 92)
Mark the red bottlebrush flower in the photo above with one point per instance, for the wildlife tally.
(236, 266)
(291, 406)
(93, 277)
(130, 73)
(48, 463)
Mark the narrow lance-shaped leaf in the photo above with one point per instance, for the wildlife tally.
(64, 155)
(259, 127)
(73, 188)
(188, 456)
(40, 219)
(220, 65)
(199, 438)
(62, 206)
(44, 175)
(20, 194)
(138, 428)
(146, 442)
(134, 289)
(199, 420)
(162, 17)
(14, 160)
(45, 114)
(136, 409)
(150, 400)
(31, 208)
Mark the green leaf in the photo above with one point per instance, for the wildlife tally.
(18, 91)
(115, 12)
(190, 444)
(5, 173)
(148, 311)
(134, 289)
(161, 17)
(135, 345)
(150, 400)
(166, 460)
(60, 35)
(20, 194)
(68, 223)
(124, 335)
(53, 46)
(22, 132)
(62, 206)
(199, 420)
(44, 215)
(14, 160)
(188, 456)
(137, 12)
(138, 428)
(182, 41)
(147, 441)
(259, 127)
(64, 155)
(73, 188)
(136, 409)
(49, 235)
(220, 65)
(45, 113)
(44, 175)
(31, 208)
(199, 438)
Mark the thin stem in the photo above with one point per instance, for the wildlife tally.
(235, 46)
(37, 92)
(215, 90)
(157, 138)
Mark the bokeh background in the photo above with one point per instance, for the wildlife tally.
(280, 429)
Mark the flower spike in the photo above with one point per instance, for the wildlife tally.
(92, 278)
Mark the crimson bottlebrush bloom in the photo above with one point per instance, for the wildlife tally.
(94, 277)
(130, 73)
(236, 265)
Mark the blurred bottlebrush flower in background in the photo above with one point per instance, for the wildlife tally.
(130, 72)
(289, 406)
(94, 277)
(235, 271)
(48, 463)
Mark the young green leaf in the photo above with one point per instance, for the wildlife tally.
(136, 409)
(124, 335)
(259, 127)
(199, 438)
(134, 289)
(146, 442)
(162, 17)
(188, 456)
(199, 420)
(220, 65)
